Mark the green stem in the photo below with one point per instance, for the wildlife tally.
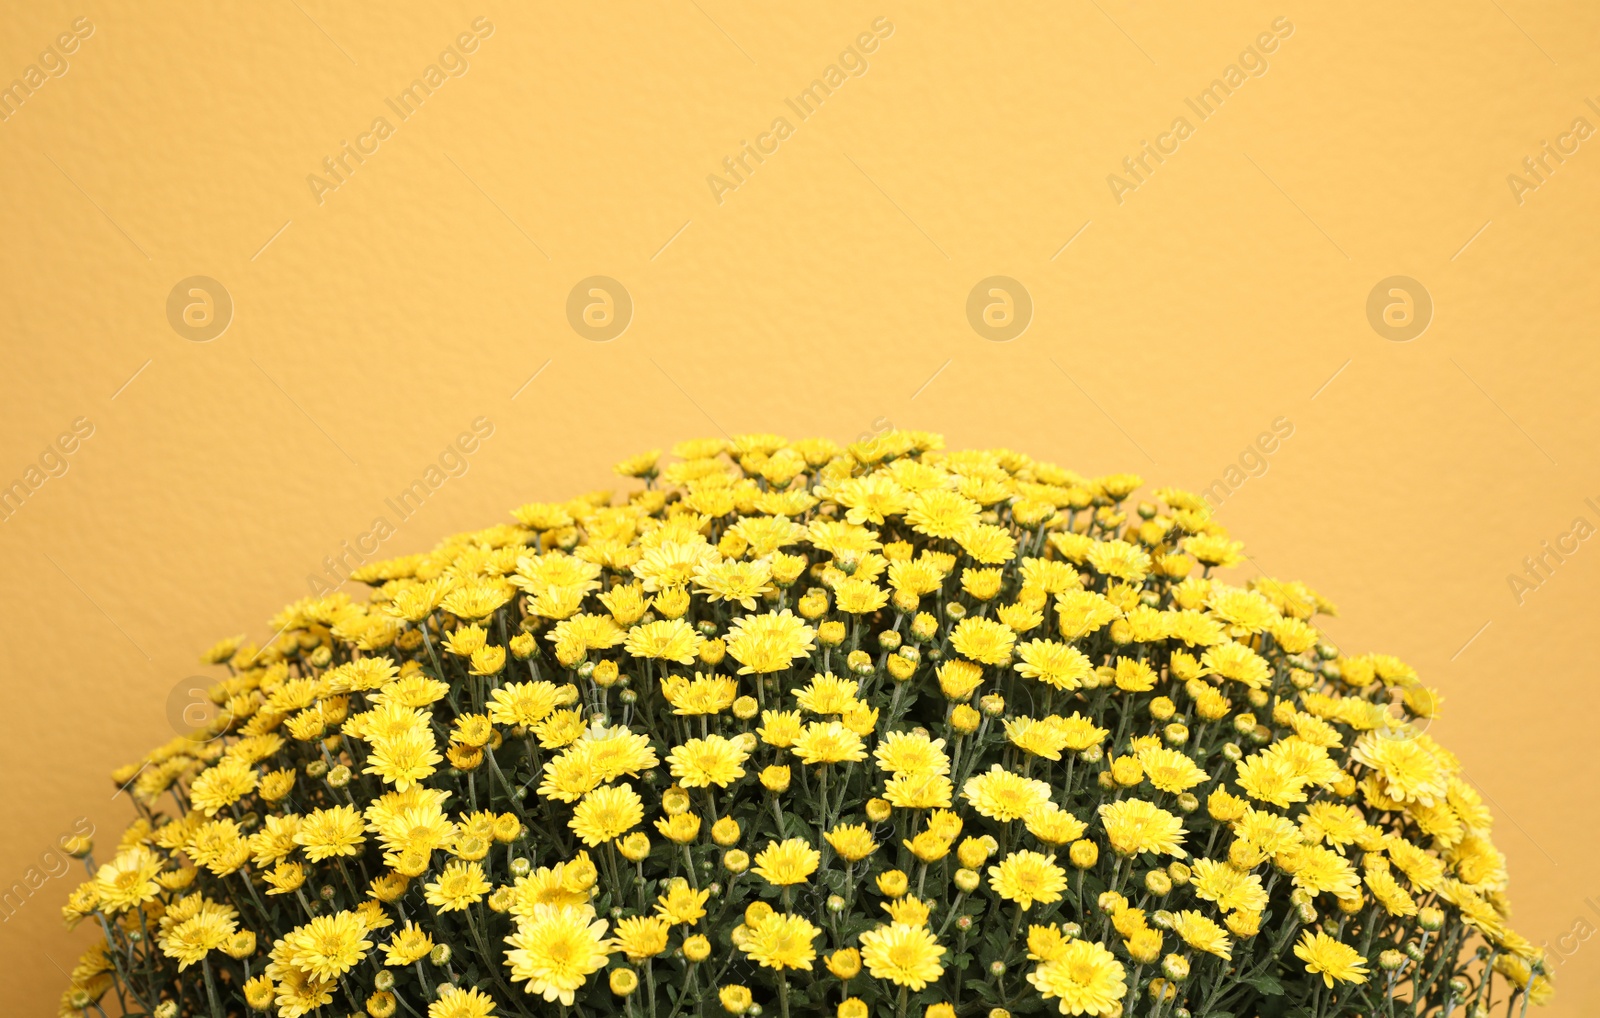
(211, 987)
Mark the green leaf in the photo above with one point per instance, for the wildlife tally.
(1266, 984)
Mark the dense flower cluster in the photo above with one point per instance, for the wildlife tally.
(885, 729)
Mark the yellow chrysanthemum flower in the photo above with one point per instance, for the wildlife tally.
(905, 955)
(606, 813)
(984, 641)
(1004, 795)
(460, 884)
(853, 842)
(781, 941)
(555, 950)
(828, 742)
(1026, 877)
(1050, 678)
(328, 946)
(787, 862)
(1085, 977)
(1332, 960)
(713, 760)
(1134, 826)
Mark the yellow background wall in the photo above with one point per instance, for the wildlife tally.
(825, 294)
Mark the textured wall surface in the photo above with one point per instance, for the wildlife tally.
(1175, 310)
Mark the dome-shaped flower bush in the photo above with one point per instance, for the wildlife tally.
(808, 730)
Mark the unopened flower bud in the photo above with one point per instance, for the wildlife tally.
(674, 801)
(634, 847)
(1126, 771)
(1084, 853)
(775, 778)
(624, 981)
(892, 883)
(725, 831)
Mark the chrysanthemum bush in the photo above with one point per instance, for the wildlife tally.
(808, 730)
